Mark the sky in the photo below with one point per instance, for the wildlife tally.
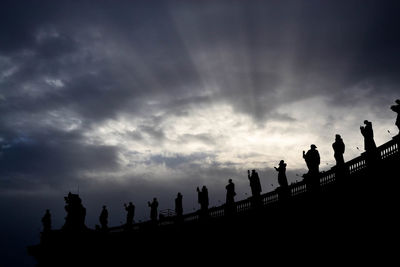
(128, 100)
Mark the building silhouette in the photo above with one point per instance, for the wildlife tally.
(354, 208)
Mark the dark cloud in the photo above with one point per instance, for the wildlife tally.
(329, 49)
(52, 158)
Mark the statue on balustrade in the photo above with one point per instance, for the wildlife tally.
(230, 198)
(104, 218)
(368, 133)
(282, 179)
(230, 193)
(202, 198)
(179, 205)
(76, 213)
(46, 221)
(255, 184)
(339, 148)
(396, 108)
(283, 190)
(312, 160)
(153, 209)
(312, 177)
(372, 153)
(130, 209)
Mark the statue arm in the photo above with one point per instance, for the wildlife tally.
(395, 108)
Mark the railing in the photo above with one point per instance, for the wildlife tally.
(386, 151)
(216, 212)
(298, 188)
(194, 216)
(327, 178)
(243, 205)
(389, 149)
(167, 213)
(356, 164)
(270, 197)
(134, 227)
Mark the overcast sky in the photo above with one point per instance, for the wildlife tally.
(129, 100)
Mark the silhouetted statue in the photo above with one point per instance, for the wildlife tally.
(76, 213)
(202, 198)
(153, 209)
(368, 133)
(179, 205)
(130, 213)
(230, 193)
(312, 160)
(46, 221)
(230, 198)
(282, 179)
(283, 190)
(104, 218)
(339, 148)
(372, 153)
(312, 177)
(396, 108)
(255, 184)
